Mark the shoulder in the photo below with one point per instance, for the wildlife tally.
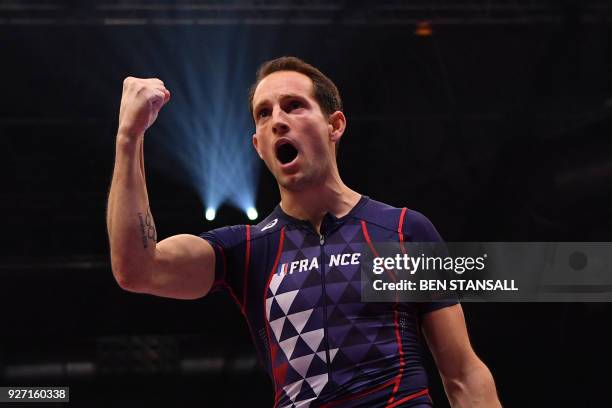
(270, 225)
(226, 237)
(378, 213)
(235, 235)
(418, 228)
(414, 225)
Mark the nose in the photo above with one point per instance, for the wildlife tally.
(279, 122)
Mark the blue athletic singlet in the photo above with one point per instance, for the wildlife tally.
(300, 294)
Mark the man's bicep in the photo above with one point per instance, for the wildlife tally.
(184, 268)
(447, 338)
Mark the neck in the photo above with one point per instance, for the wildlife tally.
(312, 203)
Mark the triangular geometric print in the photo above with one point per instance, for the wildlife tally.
(342, 361)
(333, 275)
(291, 375)
(322, 355)
(308, 298)
(301, 349)
(332, 354)
(351, 309)
(354, 337)
(334, 291)
(288, 346)
(301, 364)
(356, 353)
(288, 331)
(313, 280)
(289, 245)
(315, 322)
(338, 334)
(350, 295)
(335, 248)
(293, 389)
(294, 238)
(376, 358)
(285, 300)
(299, 319)
(274, 309)
(302, 404)
(350, 232)
(268, 306)
(350, 271)
(317, 365)
(275, 282)
(313, 339)
(277, 327)
(317, 383)
(306, 393)
(337, 317)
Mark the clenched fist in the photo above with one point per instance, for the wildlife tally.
(140, 104)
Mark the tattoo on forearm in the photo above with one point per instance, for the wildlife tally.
(147, 229)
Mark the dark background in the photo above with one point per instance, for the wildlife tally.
(496, 126)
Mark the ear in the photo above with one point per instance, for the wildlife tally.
(337, 125)
(256, 146)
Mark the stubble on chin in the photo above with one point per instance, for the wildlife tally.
(302, 180)
(293, 182)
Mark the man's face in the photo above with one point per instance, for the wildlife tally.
(292, 135)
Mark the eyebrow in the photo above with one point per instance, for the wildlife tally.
(282, 97)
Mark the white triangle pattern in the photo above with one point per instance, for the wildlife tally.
(312, 338)
(293, 389)
(289, 345)
(301, 364)
(299, 319)
(275, 282)
(332, 354)
(277, 326)
(304, 403)
(269, 306)
(317, 382)
(286, 299)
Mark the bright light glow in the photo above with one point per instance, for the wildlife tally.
(210, 214)
(252, 213)
(202, 137)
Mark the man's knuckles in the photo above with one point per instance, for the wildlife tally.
(132, 82)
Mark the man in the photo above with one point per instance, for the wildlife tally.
(295, 276)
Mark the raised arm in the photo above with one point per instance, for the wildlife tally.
(181, 266)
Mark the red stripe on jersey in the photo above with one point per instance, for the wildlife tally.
(409, 397)
(398, 338)
(400, 226)
(273, 349)
(247, 259)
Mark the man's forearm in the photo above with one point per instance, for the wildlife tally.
(131, 228)
(474, 388)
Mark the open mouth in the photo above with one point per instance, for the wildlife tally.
(286, 153)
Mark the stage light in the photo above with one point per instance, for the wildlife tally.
(203, 136)
(252, 213)
(210, 214)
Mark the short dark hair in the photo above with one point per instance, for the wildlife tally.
(325, 91)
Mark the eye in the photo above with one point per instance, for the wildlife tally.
(295, 105)
(262, 113)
